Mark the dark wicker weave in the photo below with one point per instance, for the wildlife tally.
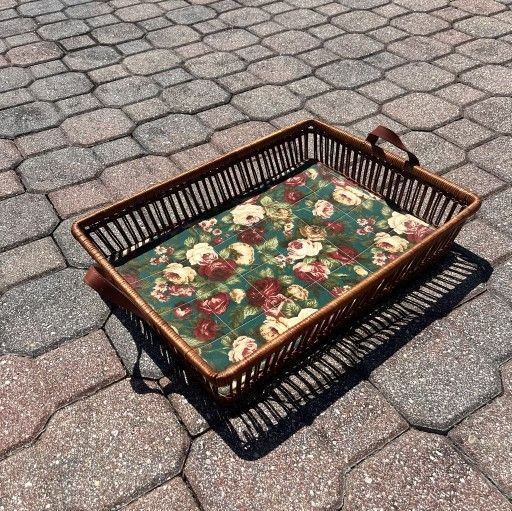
(121, 228)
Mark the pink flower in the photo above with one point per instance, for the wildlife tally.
(323, 209)
(311, 272)
(216, 304)
(298, 180)
(242, 347)
(182, 310)
(338, 291)
(416, 232)
(175, 290)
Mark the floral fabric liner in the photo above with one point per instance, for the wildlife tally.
(231, 283)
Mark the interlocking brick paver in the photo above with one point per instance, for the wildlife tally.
(173, 36)
(25, 217)
(194, 96)
(282, 69)
(33, 53)
(119, 443)
(34, 388)
(150, 62)
(490, 51)
(75, 199)
(135, 175)
(88, 10)
(23, 119)
(353, 46)
(117, 33)
(421, 111)
(475, 179)
(59, 168)
(419, 23)
(240, 135)
(63, 29)
(420, 76)
(9, 155)
(419, 48)
(491, 78)
(501, 281)
(171, 496)
(497, 210)
(10, 184)
(244, 16)
(73, 252)
(464, 133)
(88, 59)
(494, 156)
(191, 15)
(101, 125)
(171, 133)
(28, 261)
(350, 429)
(60, 308)
(61, 86)
(341, 106)
(126, 91)
(359, 21)
(30, 145)
(347, 74)
(483, 26)
(291, 42)
(439, 478)
(214, 65)
(300, 19)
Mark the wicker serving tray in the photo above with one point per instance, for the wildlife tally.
(246, 262)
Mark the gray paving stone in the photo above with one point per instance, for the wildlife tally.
(254, 53)
(107, 74)
(35, 388)
(421, 111)
(192, 97)
(497, 210)
(142, 357)
(16, 26)
(434, 152)
(88, 10)
(359, 21)
(63, 29)
(300, 19)
(341, 107)
(136, 175)
(240, 135)
(309, 86)
(486, 242)
(191, 14)
(291, 42)
(420, 76)
(78, 104)
(120, 431)
(281, 69)
(483, 26)
(75, 199)
(23, 119)
(54, 67)
(33, 53)
(475, 179)
(59, 168)
(147, 110)
(494, 156)
(91, 58)
(40, 7)
(190, 158)
(73, 252)
(419, 23)
(118, 150)
(489, 51)
(171, 133)
(139, 12)
(28, 261)
(10, 184)
(491, 78)
(229, 40)
(419, 48)
(24, 218)
(9, 155)
(479, 6)
(244, 16)
(118, 33)
(214, 65)
(347, 74)
(439, 478)
(353, 46)
(13, 78)
(150, 62)
(464, 133)
(460, 94)
(351, 428)
(381, 90)
(173, 36)
(171, 496)
(126, 90)
(266, 102)
(501, 281)
(192, 50)
(101, 125)
(61, 307)
(61, 86)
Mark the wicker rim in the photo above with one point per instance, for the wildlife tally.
(471, 200)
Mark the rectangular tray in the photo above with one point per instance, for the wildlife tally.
(248, 261)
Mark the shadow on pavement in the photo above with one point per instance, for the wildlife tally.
(298, 396)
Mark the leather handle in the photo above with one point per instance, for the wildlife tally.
(108, 290)
(391, 137)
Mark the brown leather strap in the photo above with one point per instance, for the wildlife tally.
(108, 290)
(391, 137)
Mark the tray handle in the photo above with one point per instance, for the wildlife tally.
(391, 137)
(108, 290)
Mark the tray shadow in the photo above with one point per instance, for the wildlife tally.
(280, 408)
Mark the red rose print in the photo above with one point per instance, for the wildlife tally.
(416, 232)
(175, 290)
(182, 310)
(217, 269)
(292, 196)
(252, 236)
(216, 304)
(273, 305)
(311, 272)
(344, 254)
(263, 289)
(132, 280)
(335, 226)
(298, 180)
(206, 330)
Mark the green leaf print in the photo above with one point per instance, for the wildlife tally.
(291, 309)
(189, 242)
(312, 304)
(266, 200)
(266, 272)
(269, 245)
(180, 254)
(286, 280)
